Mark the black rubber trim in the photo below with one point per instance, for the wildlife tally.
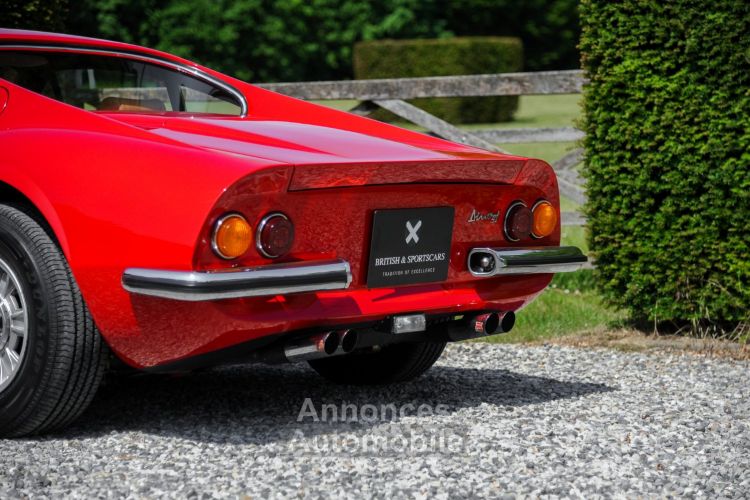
(531, 260)
(83, 46)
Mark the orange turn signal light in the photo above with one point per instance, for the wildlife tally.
(232, 236)
(545, 219)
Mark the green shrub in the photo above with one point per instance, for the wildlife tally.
(255, 40)
(47, 15)
(667, 118)
(442, 57)
(295, 40)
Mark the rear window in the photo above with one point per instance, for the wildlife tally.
(113, 83)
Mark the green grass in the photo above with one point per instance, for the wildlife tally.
(543, 111)
(557, 312)
(568, 205)
(575, 236)
(341, 104)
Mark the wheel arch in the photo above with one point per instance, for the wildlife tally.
(47, 218)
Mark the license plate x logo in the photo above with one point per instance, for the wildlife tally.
(412, 232)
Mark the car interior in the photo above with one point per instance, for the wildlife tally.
(113, 83)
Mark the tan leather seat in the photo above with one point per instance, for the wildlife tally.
(124, 104)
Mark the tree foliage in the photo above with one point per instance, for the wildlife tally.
(296, 40)
(41, 15)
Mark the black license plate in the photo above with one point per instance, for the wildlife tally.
(410, 246)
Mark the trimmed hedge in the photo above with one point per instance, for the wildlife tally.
(442, 57)
(667, 118)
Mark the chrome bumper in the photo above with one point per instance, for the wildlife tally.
(274, 279)
(504, 261)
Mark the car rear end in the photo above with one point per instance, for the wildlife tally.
(398, 252)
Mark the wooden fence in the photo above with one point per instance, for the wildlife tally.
(391, 94)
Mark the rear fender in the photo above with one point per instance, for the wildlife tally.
(110, 208)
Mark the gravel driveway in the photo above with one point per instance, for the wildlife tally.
(488, 420)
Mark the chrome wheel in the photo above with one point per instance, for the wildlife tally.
(13, 325)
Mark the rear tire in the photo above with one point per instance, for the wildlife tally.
(392, 364)
(60, 357)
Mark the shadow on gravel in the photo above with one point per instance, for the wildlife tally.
(260, 404)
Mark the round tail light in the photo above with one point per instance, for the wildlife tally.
(518, 222)
(545, 219)
(275, 235)
(232, 236)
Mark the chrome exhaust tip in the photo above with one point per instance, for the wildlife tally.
(493, 323)
(507, 322)
(348, 341)
(486, 324)
(316, 346)
(482, 263)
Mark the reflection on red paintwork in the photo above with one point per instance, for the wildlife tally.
(3, 98)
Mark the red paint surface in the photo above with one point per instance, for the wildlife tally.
(3, 98)
(143, 190)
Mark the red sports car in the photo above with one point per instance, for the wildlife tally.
(159, 213)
